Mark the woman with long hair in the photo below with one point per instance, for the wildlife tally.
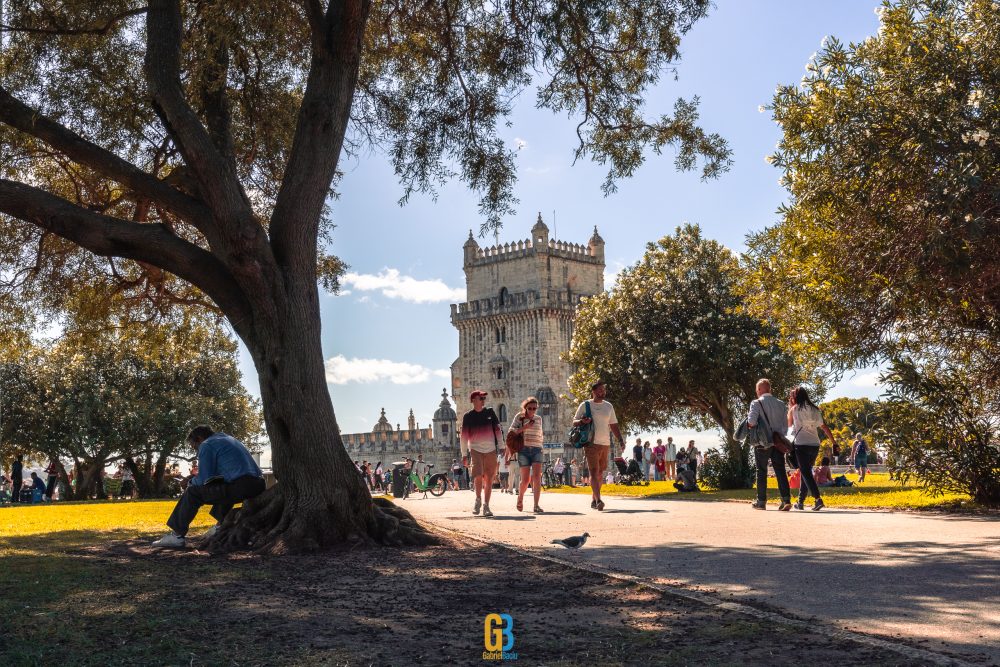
(806, 421)
(529, 459)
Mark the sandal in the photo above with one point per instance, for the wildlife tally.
(538, 510)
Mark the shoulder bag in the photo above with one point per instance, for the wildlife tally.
(580, 436)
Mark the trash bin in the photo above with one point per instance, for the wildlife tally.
(399, 480)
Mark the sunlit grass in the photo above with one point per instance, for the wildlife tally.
(124, 518)
(877, 492)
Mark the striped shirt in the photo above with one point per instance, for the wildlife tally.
(533, 436)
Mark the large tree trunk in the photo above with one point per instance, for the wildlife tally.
(319, 500)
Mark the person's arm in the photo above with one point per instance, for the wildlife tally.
(581, 418)
(207, 468)
(618, 434)
(463, 442)
(754, 414)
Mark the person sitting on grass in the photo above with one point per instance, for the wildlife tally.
(37, 484)
(821, 473)
(227, 475)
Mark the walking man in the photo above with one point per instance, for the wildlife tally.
(481, 435)
(227, 475)
(773, 412)
(602, 415)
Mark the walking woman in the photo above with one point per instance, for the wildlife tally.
(530, 457)
(806, 421)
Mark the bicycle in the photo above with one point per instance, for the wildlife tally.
(435, 484)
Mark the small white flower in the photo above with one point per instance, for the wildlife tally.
(823, 42)
(761, 109)
(975, 98)
(968, 218)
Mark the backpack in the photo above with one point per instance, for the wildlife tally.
(582, 435)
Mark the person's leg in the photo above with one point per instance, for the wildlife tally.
(15, 494)
(807, 457)
(523, 486)
(778, 463)
(489, 472)
(536, 481)
(594, 471)
(761, 457)
(191, 501)
(237, 491)
(477, 478)
(862, 469)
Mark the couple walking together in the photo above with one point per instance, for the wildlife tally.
(805, 420)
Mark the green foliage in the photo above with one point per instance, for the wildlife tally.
(730, 470)
(890, 241)
(944, 431)
(672, 344)
(130, 395)
(847, 416)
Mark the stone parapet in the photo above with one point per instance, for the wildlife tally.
(518, 302)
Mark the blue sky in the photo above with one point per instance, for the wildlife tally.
(388, 339)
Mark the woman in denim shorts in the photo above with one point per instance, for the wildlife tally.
(527, 423)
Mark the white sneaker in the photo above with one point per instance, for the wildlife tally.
(211, 532)
(171, 541)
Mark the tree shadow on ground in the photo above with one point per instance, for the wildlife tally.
(95, 598)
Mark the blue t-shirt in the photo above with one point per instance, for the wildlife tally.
(224, 456)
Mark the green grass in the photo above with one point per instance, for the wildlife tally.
(126, 519)
(877, 492)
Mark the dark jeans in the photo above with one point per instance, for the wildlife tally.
(220, 495)
(777, 459)
(806, 456)
(15, 491)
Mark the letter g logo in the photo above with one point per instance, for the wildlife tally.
(499, 632)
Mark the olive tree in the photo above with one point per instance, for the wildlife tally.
(190, 147)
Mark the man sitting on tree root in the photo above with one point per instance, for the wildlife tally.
(227, 474)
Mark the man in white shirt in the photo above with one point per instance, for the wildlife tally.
(602, 415)
(670, 458)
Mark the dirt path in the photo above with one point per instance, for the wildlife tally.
(129, 604)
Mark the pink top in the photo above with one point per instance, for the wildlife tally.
(822, 474)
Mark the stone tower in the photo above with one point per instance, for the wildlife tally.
(518, 319)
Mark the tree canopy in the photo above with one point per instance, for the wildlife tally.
(671, 342)
(127, 395)
(890, 241)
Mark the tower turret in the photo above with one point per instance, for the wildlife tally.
(540, 235)
(596, 245)
(471, 249)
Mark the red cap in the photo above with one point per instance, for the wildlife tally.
(478, 392)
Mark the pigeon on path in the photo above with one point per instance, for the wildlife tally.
(574, 542)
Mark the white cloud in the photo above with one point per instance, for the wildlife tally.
(868, 380)
(341, 370)
(395, 286)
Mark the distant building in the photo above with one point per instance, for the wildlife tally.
(518, 320)
(438, 443)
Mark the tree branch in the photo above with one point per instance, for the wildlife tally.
(319, 134)
(18, 115)
(107, 236)
(93, 29)
(218, 181)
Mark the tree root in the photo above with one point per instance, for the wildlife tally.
(275, 524)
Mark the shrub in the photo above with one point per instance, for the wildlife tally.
(728, 470)
(943, 431)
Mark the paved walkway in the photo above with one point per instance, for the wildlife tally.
(925, 577)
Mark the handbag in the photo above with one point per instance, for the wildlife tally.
(580, 436)
(515, 441)
(778, 440)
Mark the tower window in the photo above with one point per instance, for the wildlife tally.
(502, 413)
(503, 334)
(504, 296)
(498, 334)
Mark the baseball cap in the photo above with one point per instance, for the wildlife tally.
(478, 392)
